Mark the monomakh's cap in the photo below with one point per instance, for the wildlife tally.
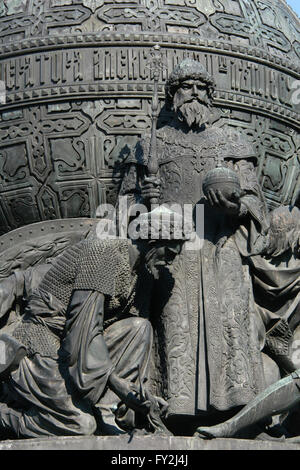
(164, 224)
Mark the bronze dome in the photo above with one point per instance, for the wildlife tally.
(78, 93)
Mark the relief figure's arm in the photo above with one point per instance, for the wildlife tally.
(88, 359)
(252, 200)
(11, 290)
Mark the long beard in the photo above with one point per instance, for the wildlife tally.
(150, 265)
(193, 112)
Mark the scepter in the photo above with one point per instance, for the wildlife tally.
(156, 66)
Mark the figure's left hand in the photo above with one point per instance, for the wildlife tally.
(217, 199)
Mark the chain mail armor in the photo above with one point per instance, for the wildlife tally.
(89, 265)
(99, 265)
(60, 278)
(37, 338)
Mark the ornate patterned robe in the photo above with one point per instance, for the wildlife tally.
(208, 331)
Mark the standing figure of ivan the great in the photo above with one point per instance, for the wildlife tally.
(209, 333)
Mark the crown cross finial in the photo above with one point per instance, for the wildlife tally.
(219, 161)
(155, 63)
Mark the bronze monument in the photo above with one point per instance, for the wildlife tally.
(158, 333)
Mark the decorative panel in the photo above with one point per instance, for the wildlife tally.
(78, 92)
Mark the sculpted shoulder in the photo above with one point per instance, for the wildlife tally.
(227, 142)
(212, 140)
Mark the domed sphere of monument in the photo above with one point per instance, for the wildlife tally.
(76, 92)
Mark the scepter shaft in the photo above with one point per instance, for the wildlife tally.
(153, 159)
(153, 167)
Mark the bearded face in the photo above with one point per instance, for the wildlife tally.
(161, 254)
(191, 102)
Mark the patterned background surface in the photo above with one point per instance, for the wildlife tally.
(79, 92)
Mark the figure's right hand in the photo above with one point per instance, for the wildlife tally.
(151, 188)
(128, 393)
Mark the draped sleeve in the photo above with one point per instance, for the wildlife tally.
(84, 346)
(11, 289)
(99, 277)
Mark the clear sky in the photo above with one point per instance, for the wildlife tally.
(295, 4)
